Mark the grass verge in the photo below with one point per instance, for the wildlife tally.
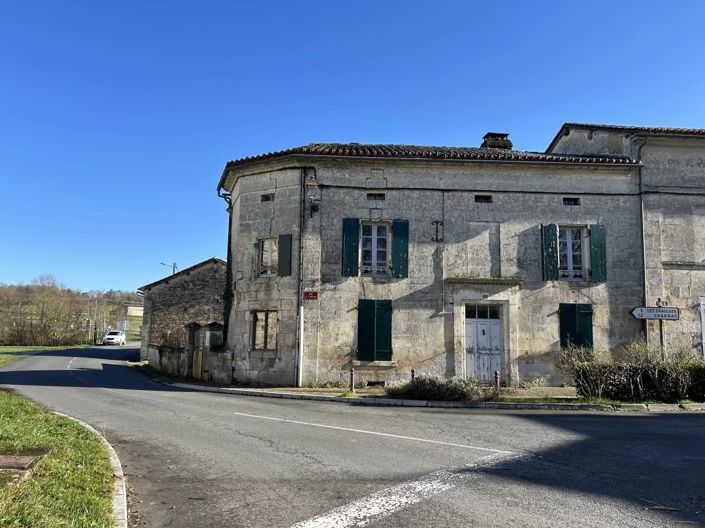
(13, 353)
(71, 487)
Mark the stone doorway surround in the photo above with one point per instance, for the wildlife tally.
(502, 292)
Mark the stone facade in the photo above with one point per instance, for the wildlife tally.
(476, 243)
(672, 184)
(192, 297)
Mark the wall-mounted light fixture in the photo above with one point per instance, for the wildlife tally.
(313, 190)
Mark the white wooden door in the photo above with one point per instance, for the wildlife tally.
(483, 345)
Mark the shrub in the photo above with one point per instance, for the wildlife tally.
(440, 389)
(639, 373)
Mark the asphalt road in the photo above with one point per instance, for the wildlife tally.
(212, 460)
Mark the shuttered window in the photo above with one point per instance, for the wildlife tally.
(366, 251)
(274, 256)
(575, 325)
(374, 330)
(567, 254)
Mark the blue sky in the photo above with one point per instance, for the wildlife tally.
(116, 118)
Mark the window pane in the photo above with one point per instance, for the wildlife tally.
(271, 330)
(367, 256)
(366, 230)
(482, 312)
(366, 243)
(381, 230)
(382, 243)
(470, 311)
(494, 312)
(562, 254)
(258, 327)
(274, 255)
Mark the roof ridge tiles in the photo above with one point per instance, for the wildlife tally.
(390, 150)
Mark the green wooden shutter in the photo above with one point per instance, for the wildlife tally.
(575, 324)
(284, 262)
(383, 330)
(351, 241)
(549, 244)
(365, 330)
(598, 253)
(400, 248)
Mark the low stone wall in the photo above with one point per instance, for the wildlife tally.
(169, 361)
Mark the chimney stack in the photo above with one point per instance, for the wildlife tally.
(496, 140)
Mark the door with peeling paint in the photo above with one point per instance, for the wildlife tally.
(483, 342)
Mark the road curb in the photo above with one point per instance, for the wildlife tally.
(119, 489)
(391, 402)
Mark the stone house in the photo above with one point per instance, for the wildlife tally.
(671, 184)
(182, 312)
(460, 260)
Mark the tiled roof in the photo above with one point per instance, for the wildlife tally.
(666, 131)
(358, 150)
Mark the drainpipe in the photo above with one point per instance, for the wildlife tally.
(228, 294)
(299, 289)
(643, 229)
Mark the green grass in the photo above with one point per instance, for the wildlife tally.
(134, 323)
(71, 487)
(13, 353)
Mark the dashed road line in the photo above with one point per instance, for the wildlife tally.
(376, 433)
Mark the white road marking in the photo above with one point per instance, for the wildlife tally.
(386, 502)
(69, 365)
(363, 431)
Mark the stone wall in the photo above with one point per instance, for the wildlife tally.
(674, 225)
(253, 219)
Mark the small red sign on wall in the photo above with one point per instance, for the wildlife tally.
(310, 295)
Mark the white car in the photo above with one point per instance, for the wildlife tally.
(114, 337)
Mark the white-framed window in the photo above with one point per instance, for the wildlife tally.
(572, 256)
(374, 248)
(267, 256)
(264, 330)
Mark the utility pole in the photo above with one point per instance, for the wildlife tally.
(172, 266)
(661, 303)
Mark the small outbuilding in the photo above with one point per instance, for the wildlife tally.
(174, 308)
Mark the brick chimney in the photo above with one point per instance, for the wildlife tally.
(496, 140)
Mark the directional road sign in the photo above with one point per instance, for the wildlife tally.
(656, 312)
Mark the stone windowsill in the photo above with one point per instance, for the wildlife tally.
(374, 364)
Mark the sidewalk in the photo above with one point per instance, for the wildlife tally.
(375, 396)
